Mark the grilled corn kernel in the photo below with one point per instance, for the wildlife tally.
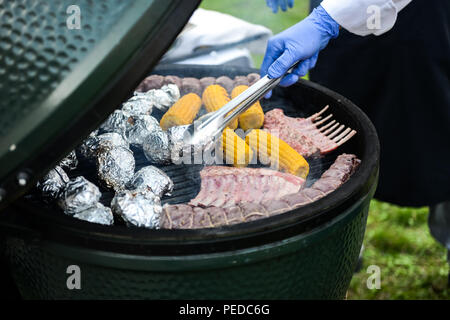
(215, 97)
(253, 117)
(274, 150)
(235, 150)
(182, 112)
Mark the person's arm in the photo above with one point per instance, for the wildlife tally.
(303, 41)
(364, 17)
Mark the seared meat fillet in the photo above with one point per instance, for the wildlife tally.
(187, 216)
(227, 186)
(191, 85)
(173, 80)
(188, 85)
(241, 81)
(207, 81)
(225, 82)
(151, 82)
(252, 78)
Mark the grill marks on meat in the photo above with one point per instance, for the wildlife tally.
(300, 133)
(227, 186)
(188, 216)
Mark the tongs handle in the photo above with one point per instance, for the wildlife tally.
(247, 98)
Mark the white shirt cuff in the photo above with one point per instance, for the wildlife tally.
(364, 17)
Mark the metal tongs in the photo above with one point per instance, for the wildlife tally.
(209, 127)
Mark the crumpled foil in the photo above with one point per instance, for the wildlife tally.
(177, 144)
(96, 214)
(116, 122)
(139, 104)
(153, 179)
(165, 97)
(110, 140)
(53, 183)
(78, 195)
(89, 148)
(115, 166)
(70, 162)
(139, 127)
(138, 208)
(156, 147)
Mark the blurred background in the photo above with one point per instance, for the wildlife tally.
(413, 265)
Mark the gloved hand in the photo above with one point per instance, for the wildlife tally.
(301, 42)
(283, 4)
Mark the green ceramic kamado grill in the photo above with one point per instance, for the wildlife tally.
(59, 83)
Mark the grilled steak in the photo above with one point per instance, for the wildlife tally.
(187, 216)
(227, 186)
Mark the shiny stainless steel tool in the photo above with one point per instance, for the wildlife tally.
(209, 127)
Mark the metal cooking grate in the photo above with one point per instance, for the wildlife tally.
(186, 178)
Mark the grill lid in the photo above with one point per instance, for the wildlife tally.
(65, 67)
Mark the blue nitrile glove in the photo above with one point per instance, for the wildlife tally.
(301, 42)
(283, 4)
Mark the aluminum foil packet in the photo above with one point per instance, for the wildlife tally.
(115, 167)
(177, 144)
(151, 179)
(139, 127)
(165, 97)
(116, 122)
(70, 162)
(138, 208)
(156, 147)
(139, 104)
(96, 214)
(78, 195)
(109, 140)
(53, 184)
(87, 148)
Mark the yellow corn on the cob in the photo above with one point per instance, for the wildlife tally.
(215, 97)
(235, 150)
(182, 112)
(253, 117)
(279, 153)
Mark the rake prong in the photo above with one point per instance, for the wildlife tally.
(339, 137)
(346, 138)
(314, 116)
(327, 125)
(335, 132)
(323, 120)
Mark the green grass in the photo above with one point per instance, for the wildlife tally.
(413, 265)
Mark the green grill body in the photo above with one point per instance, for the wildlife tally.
(58, 84)
(315, 265)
